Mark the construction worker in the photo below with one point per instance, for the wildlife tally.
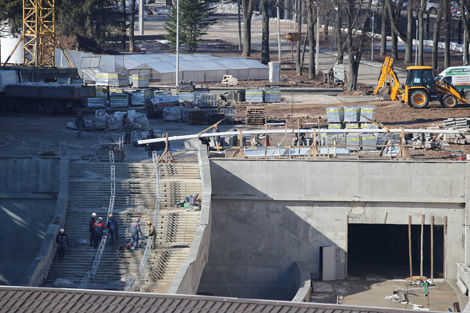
(151, 146)
(98, 229)
(135, 231)
(91, 223)
(216, 138)
(152, 233)
(127, 131)
(62, 242)
(112, 228)
(79, 123)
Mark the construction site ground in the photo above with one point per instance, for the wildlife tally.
(35, 134)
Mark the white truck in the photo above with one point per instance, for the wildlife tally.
(458, 76)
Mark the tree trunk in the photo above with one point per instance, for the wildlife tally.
(311, 23)
(265, 32)
(447, 21)
(394, 51)
(298, 17)
(353, 73)
(435, 39)
(247, 12)
(421, 32)
(339, 39)
(409, 34)
(131, 27)
(124, 26)
(383, 31)
(326, 24)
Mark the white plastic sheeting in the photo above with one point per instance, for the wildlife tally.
(198, 68)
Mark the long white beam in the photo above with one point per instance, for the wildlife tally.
(294, 131)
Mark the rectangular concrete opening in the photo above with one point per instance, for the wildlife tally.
(376, 250)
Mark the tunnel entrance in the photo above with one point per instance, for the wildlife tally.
(382, 250)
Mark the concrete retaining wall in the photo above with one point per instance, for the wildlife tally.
(189, 275)
(269, 214)
(28, 194)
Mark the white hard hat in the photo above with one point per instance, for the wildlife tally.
(100, 219)
(62, 230)
(93, 214)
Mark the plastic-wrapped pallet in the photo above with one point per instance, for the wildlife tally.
(140, 80)
(352, 126)
(330, 139)
(138, 98)
(369, 126)
(97, 102)
(369, 112)
(101, 119)
(78, 82)
(172, 114)
(118, 100)
(272, 94)
(368, 141)
(352, 113)
(335, 126)
(254, 95)
(334, 114)
(353, 141)
(63, 81)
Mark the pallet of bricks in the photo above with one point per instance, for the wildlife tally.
(255, 115)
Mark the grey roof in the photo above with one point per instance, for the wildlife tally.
(52, 300)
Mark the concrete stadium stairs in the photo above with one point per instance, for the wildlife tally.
(89, 192)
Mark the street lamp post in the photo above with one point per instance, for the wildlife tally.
(177, 42)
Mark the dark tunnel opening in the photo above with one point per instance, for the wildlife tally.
(375, 249)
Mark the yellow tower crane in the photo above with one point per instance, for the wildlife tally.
(38, 37)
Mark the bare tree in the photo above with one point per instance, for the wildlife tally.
(265, 32)
(447, 23)
(383, 30)
(338, 22)
(298, 17)
(464, 6)
(356, 37)
(312, 19)
(421, 31)
(247, 6)
(394, 15)
(435, 38)
(131, 27)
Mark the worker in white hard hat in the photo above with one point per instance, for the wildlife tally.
(91, 223)
(62, 243)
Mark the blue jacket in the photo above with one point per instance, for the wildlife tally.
(135, 228)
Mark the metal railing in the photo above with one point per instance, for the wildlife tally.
(143, 263)
(96, 264)
(130, 282)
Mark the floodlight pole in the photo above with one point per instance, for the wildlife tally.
(177, 42)
(373, 34)
(417, 44)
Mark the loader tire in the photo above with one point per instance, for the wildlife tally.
(49, 107)
(450, 102)
(419, 99)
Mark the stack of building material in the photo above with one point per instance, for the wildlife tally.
(208, 100)
(368, 112)
(229, 113)
(369, 126)
(186, 98)
(214, 118)
(456, 123)
(118, 100)
(352, 113)
(368, 141)
(111, 79)
(196, 117)
(353, 142)
(334, 114)
(272, 94)
(140, 80)
(330, 139)
(254, 116)
(138, 98)
(352, 126)
(173, 114)
(63, 80)
(254, 95)
(335, 126)
(101, 97)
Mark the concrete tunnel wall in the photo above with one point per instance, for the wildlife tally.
(28, 195)
(268, 214)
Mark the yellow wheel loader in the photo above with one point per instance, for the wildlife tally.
(420, 87)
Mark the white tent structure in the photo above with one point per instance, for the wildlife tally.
(198, 68)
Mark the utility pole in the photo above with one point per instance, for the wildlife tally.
(239, 28)
(278, 34)
(141, 17)
(177, 42)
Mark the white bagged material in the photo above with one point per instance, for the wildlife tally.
(114, 122)
(141, 119)
(172, 114)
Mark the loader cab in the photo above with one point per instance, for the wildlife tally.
(420, 76)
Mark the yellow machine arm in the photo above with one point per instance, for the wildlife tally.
(396, 90)
(443, 88)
